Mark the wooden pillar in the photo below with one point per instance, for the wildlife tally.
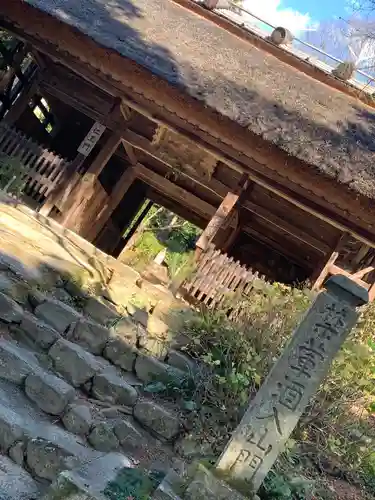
(61, 192)
(371, 292)
(71, 181)
(122, 186)
(222, 213)
(235, 231)
(91, 176)
(133, 233)
(138, 222)
(321, 274)
(22, 102)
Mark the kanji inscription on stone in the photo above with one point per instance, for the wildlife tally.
(280, 402)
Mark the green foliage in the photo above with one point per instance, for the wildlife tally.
(274, 308)
(236, 346)
(12, 175)
(280, 486)
(180, 266)
(368, 472)
(239, 353)
(182, 238)
(338, 422)
(133, 484)
(173, 385)
(146, 249)
(338, 427)
(149, 245)
(229, 357)
(162, 229)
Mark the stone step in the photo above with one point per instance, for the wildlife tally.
(16, 483)
(74, 359)
(144, 425)
(92, 359)
(112, 477)
(52, 319)
(33, 440)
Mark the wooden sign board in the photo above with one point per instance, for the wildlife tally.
(91, 139)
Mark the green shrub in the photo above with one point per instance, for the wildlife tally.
(337, 426)
(280, 486)
(12, 175)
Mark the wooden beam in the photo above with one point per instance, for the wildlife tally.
(275, 246)
(67, 183)
(235, 232)
(179, 194)
(144, 145)
(338, 271)
(104, 155)
(286, 227)
(312, 207)
(362, 273)
(130, 152)
(181, 210)
(78, 93)
(360, 255)
(331, 269)
(39, 59)
(129, 235)
(237, 146)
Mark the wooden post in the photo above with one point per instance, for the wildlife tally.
(64, 187)
(371, 292)
(235, 231)
(222, 213)
(91, 175)
(122, 186)
(324, 273)
(21, 104)
(67, 184)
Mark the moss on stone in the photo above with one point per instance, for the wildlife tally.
(134, 484)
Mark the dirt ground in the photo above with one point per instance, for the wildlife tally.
(345, 491)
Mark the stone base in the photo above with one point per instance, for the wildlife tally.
(196, 483)
(89, 481)
(170, 488)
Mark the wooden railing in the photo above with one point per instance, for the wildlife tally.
(353, 259)
(216, 278)
(44, 167)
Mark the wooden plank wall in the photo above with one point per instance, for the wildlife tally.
(44, 167)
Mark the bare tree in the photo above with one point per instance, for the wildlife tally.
(351, 40)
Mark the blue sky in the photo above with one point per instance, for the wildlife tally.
(297, 15)
(319, 10)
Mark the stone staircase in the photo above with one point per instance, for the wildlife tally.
(74, 377)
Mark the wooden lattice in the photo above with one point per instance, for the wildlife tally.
(218, 277)
(43, 167)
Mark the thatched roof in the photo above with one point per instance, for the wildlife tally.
(332, 131)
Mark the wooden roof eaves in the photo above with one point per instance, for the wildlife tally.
(235, 145)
